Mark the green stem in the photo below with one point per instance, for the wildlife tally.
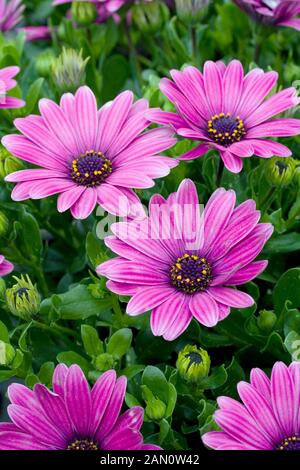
(117, 309)
(268, 199)
(220, 172)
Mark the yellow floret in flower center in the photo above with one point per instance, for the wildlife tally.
(226, 129)
(191, 274)
(90, 169)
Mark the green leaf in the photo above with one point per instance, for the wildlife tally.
(116, 70)
(92, 344)
(217, 378)
(292, 344)
(6, 374)
(286, 243)
(287, 288)
(119, 343)
(155, 380)
(171, 401)
(46, 372)
(131, 401)
(4, 335)
(31, 380)
(71, 357)
(132, 371)
(32, 96)
(30, 234)
(94, 249)
(79, 304)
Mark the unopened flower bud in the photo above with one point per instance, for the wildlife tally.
(23, 298)
(266, 320)
(44, 63)
(7, 353)
(190, 11)
(193, 363)
(8, 163)
(68, 70)
(280, 171)
(155, 408)
(150, 17)
(84, 13)
(104, 362)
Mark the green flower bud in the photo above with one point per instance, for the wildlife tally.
(7, 354)
(266, 320)
(280, 171)
(23, 298)
(4, 224)
(68, 70)
(150, 17)
(193, 363)
(190, 11)
(8, 163)
(155, 408)
(84, 13)
(44, 63)
(104, 362)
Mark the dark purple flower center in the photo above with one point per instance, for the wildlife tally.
(90, 169)
(290, 443)
(19, 294)
(191, 274)
(226, 129)
(83, 444)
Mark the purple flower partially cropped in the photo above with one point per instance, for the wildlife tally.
(72, 417)
(5, 266)
(89, 156)
(228, 112)
(11, 12)
(36, 33)
(6, 84)
(268, 418)
(273, 12)
(179, 262)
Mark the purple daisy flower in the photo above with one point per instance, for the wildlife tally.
(72, 417)
(89, 156)
(5, 266)
(179, 262)
(227, 111)
(6, 84)
(268, 419)
(10, 14)
(273, 12)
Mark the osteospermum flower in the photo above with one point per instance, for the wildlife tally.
(179, 264)
(227, 111)
(10, 14)
(5, 266)
(6, 84)
(72, 417)
(88, 156)
(268, 418)
(273, 12)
